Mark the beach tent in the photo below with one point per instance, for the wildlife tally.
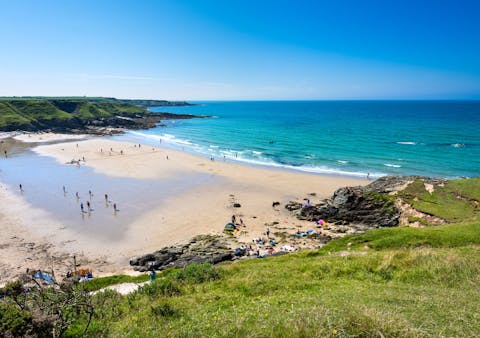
(44, 276)
(230, 227)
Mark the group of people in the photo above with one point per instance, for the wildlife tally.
(89, 206)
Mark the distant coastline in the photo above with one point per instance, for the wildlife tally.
(91, 115)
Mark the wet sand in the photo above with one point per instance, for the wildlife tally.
(162, 201)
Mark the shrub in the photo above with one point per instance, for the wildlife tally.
(14, 321)
(196, 273)
(163, 309)
(160, 287)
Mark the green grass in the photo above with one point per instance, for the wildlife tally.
(404, 292)
(452, 235)
(395, 282)
(457, 200)
(26, 113)
(101, 282)
(9, 115)
(40, 110)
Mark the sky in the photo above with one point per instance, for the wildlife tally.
(241, 49)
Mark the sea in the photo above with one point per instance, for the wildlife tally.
(347, 138)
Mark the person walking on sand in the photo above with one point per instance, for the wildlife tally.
(88, 206)
(115, 207)
(21, 187)
(106, 198)
(81, 207)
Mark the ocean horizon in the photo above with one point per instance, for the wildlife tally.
(356, 138)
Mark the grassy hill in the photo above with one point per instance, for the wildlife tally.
(394, 282)
(27, 114)
(39, 113)
(402, 281)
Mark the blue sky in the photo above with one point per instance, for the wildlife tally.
(241, 50)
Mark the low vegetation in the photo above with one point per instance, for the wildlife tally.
(39, 113)
(395, 282)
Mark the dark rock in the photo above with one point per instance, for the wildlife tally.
(237, 205)
(205, 248)
(357, 209)
(293, 206)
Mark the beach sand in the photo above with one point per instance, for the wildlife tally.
(203, 204)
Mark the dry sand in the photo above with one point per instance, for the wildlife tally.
(203, 209)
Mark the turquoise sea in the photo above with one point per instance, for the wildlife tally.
(353, 138)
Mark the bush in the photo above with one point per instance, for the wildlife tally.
(160, 287)
(164, 309)
(196, 273)
(14, 321)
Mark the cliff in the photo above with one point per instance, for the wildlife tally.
(79, 114)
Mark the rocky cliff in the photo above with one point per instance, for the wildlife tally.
(357, 209)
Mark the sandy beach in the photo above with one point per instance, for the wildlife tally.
(164, 197)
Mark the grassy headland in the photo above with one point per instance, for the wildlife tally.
(41, 113)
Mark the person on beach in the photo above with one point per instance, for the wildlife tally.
(368, 176)
(64, 190)
(167, 157)
(21, 187)
(90, 193)
(5, 152)
(81, 207)
(88, 206)
(268, 232)
(153, 274)
(115, 207)
(106, 198)
(77, 195)
(233, 219)
(121, 152)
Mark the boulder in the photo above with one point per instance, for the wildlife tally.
(200, 249)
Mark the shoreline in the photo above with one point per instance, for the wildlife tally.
(199, 200)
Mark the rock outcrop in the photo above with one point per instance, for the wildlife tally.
(357, 209)
(204, 248)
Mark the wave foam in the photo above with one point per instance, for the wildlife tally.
(252, 157)
(407, 143)
(392, 165)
